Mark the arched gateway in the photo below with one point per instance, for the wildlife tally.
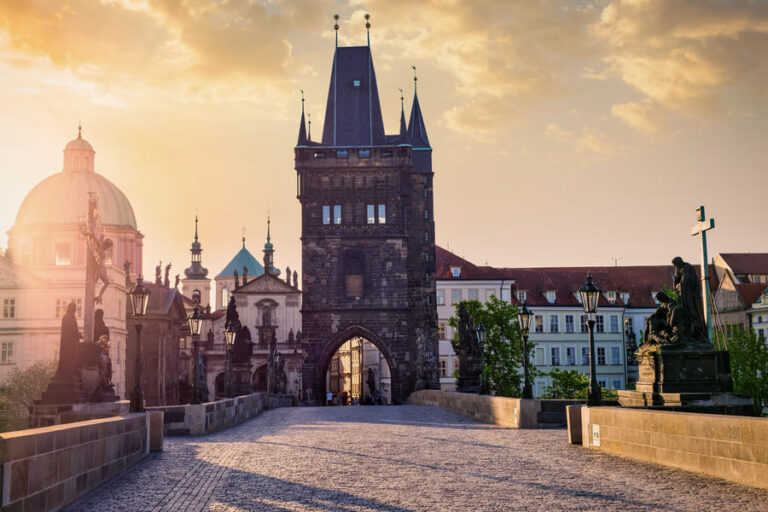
(368, 252)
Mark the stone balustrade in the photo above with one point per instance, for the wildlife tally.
(503, 411)
(730, 447)
(201, 419)
(44, 469)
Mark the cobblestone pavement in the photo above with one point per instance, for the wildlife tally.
(404, 458)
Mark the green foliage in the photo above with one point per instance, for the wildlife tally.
(572, 385)
(749, 367)
(20, 390)
(503, 348)
(672, 294)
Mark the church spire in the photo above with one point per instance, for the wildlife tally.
(403, 128)
(417, 132)
(302, 127)
(269, 253)
(196, 270)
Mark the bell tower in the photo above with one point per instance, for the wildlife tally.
(196, 284)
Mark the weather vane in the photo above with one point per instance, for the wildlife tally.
(336, 28)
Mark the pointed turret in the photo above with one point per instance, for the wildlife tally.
(403, 129)
(302, 127)
(269, 254)
(196, 270)
(417, 132)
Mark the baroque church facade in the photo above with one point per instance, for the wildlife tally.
(368, 253)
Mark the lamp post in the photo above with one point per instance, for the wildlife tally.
(139, 297)
(589, 296)
(480, 330)
(275, 362)
(524, 316)
(229, 333)
(195, 321)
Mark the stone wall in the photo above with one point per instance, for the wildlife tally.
(731, 447)
(201, 419)
(47, 468)
(503, 411)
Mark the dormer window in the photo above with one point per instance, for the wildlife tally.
(611, 297)
(625, 298)
(456, 272)
(522, 296)
(551, 295)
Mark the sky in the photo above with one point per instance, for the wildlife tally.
(564, 133)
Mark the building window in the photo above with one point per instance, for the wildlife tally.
(555, 354)
(326, 214)
(570, 356)
(761, 334)
(584, 356)
(602, 383)
(382, 214)
(550, 295)
(629, 323)
(441, 330)
(456, 272)
(600, 323)
(63, 254)
(182, 342)
(617, 384)
(61, 307)
(426, 214)
(426, 236)
(224, 296)
(455, 296)
(601, 356)
(625, 298)
(441, 297)
(371, 214)
(6, 352)
(9, 308)
(539, 357)
(363, 153)
(474, 294)
(522, 296)
(611, 296)
(337, 214)
(568, 323)
(583, 320)
(442, 367)
(614, 323)
(538, 322)
(554, 323)
(615, 355)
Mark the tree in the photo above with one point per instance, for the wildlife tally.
(749, 367)
(19, 392)
(573, 385)
(503, 348)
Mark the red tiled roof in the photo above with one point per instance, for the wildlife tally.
(747, 263)
(641, 281)
(750, 292)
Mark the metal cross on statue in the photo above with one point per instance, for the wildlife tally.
(701, 228)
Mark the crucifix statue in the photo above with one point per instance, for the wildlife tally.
(701, 228)
(96, 269)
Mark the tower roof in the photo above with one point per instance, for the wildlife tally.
(196, 269)
(417, 132)
(353, 112)
(242, 259)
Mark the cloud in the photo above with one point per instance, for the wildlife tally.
(684, 56)
(597, 144)
(555, 132)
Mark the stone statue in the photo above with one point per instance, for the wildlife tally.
(245, 275)
(237, 279)
(127, 270)
(209, 338)
(243, 347)
(158, 271)
(290, 336)
(202, 385)
(207, 309)
(688, 289)
(167, 281)
(281, 381)
(669, 324)
(98, 245)
(298, 336)
(186, 392)
(426, 362)
(470, 363)
(176, 283)
(372, 382)
(68, 347)
(295, 279)
(288, 275)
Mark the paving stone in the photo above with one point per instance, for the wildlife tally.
(399, 458)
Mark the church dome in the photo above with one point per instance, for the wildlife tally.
(63, 197)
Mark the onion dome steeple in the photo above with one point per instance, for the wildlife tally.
(196, 270)
(269, 254)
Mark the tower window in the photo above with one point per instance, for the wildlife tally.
(355, 83)
(371, 214)
(364, 153)
(382, 214)
(426, 236)
(426, 214)
(337, 214)
(326, 214)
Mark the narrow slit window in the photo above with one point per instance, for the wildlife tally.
(326, 214)
(337, 214)
(382, 214)
(371, 214)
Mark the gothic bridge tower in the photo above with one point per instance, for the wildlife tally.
(368, 251)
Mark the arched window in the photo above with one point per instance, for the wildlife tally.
(224, 296)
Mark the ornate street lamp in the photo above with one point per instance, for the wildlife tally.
(480, 330)
(195, 321)
(275, 361)
(139, 298)
(524, 316)
(589, 297)
(229, 333)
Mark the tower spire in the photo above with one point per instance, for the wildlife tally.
(269, 252)
(195, 228)
(336, 28)
(368, 28)
(196, 269)
(79, 129)
(417, 132)
(403, 128)
(302, 125)
(309, 127)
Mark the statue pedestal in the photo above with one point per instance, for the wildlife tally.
(47, 414)
(241, 380)
(685, 379)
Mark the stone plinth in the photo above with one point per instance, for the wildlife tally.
(45, 415)
(685, 379)
(241, 380)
